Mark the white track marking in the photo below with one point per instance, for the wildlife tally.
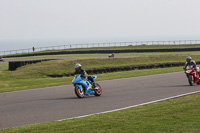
(133, 105)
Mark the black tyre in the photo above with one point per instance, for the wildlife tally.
(198, 82)
(191, 80)
(98, 91)
(79, 93)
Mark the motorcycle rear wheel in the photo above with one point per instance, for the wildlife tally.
(98, 91)
(79, 93)
(191, 80)
(198, 83)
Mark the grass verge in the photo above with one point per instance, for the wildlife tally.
(64, 67)
(3, 67)
(14, 83)
(176, 115)
(105, 55)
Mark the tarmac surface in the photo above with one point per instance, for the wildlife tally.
(55, 103)
(3, 61)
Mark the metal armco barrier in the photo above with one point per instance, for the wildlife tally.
(13, 65)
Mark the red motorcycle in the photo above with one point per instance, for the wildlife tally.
(192, 75)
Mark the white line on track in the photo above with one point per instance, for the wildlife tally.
(133, 105)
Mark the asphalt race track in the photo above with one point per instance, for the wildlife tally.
(55, 103)
(4, 62)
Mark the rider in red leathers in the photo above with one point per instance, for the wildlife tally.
(191, 62)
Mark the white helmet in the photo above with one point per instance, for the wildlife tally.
(188, 59)
(77, 66)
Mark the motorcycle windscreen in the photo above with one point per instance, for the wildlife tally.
(189, 67)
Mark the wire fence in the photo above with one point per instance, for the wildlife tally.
(93, 45)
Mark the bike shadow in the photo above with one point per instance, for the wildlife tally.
(180, 86)
(70, 98)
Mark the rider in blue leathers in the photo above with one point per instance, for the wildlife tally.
(84, 74)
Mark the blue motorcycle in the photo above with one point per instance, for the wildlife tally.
(84, 87)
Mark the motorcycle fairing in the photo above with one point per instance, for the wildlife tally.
(83, 84)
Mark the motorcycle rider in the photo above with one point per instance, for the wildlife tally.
(79, 70)
(191, 62)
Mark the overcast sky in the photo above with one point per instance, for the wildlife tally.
(98, 19)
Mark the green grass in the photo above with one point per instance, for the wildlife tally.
(62, 67)
(105, 55)
(176, 115)
(3, 66)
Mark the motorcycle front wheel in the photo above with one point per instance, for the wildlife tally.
(198, 83)
(191, 80)
(79, 93)
(98, 91)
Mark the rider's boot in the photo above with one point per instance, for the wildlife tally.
(93, 85)
(199, 75)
